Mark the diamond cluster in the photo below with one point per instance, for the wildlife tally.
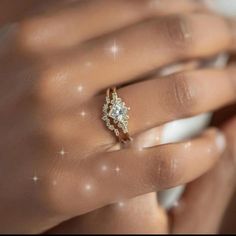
(115, 114)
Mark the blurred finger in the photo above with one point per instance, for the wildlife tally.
(122, 56)
(207, 198)
(79, 21)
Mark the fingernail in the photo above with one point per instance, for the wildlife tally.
(220, 141)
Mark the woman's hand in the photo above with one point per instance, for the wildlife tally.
(54, 68)
(200, 210)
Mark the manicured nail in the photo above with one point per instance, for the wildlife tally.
(221, 141)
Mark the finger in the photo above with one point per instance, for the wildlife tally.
(149, 138)
(158, 101)
(212, 192)
(153, 103)
(137, 51)
(216, 188)
(138, 215)
(144, 47)
(83, 20)
(114, 176)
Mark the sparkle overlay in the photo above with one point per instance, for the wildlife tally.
(88, 64)
(88, 187)
(82, 113)
(104, 168)
(80, 88)
(114, 49)
(188, 145)
(115, 114)
(121, 204)
(117, 169)
(35, 178)
(62, 153)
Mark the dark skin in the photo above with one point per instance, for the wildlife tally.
(25, 55)
(143, 215)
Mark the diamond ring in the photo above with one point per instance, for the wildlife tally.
(115, 115)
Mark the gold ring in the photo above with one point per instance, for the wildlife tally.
(115, 115)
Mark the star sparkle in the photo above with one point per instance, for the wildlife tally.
(209, 150)
(104, 168)
(114, 49)
(88, 187)
(83, 113)
(88, 64)
(80, 88)
(117, 169)
(140, 149)
(187, 145)
(121, 204)
(35, 178)
(62, 152)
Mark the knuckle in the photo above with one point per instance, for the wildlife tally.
(168, 172)
(50, 84)
(165, 172)
(177, 33)
(182, 94)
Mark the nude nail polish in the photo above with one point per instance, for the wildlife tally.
(221, 142)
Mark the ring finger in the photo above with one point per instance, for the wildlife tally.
(160, 100)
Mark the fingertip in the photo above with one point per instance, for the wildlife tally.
(218, 138)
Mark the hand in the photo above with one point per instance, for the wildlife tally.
(54, 144)
(200, 209)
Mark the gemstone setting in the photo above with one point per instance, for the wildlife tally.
(115, 114)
